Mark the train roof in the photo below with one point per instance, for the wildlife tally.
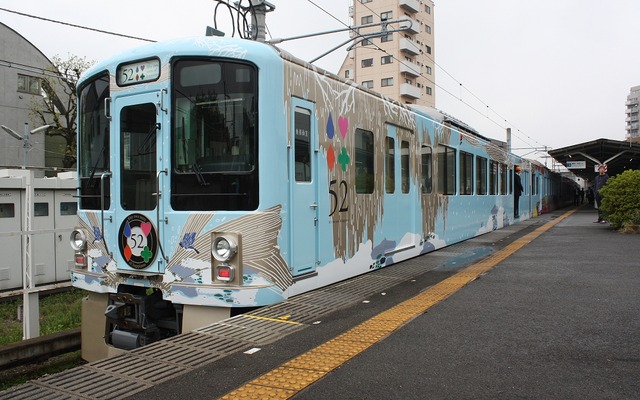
(240, 49)
(192, 46)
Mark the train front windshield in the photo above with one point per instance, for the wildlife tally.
(93, 141)
(213, 135)
(214, 141)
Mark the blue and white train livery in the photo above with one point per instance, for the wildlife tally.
(219, 174)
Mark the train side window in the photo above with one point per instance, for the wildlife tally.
(493, 177)
(446, 170)
(427, 169)
(466, 173)
(364, 162)
(481, 175)
(390, 165)
(405, 158)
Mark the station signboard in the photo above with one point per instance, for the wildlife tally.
(576, 164)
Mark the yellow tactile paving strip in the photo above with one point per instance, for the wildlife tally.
(293, 376)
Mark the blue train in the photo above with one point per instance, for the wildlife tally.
(217, 174)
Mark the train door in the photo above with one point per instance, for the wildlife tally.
(303, 198)
(138, 177)
(398, 200)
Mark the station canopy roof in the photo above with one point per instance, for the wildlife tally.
(582, 159)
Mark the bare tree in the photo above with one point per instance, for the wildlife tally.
(60, 102)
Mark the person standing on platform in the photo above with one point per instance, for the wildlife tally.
(517, 191)
(599, 182)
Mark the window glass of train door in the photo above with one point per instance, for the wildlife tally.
(302, 145)
(427, 169)
(405, 161)
(493, 177)
(503, 178)
(390, 165)
(138, 132)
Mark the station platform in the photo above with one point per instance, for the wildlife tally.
(546, 308)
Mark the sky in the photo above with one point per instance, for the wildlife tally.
(557, 72)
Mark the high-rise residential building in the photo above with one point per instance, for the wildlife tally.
(399, 64)
(633, 103)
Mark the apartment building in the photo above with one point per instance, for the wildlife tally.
(632, 104)
(400, 64)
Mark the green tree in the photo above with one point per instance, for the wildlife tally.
(60, 102)
(621, 202)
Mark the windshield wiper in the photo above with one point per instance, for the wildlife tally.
(95, 167)
(197, 169)
(148, 145)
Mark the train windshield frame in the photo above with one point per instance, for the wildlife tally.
(93, 142)
(214, 141)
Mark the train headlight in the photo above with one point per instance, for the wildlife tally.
(78, 239)
(224, 248)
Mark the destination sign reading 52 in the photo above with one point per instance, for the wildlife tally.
(138, 72)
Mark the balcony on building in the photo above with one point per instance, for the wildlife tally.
(409, 90)
(413, 6)
(409, 46)
(410, 25)
(410, 68)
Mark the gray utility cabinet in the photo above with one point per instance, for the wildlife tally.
(54, 215)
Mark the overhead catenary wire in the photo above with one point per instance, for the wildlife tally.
(470, 106)
(74, 25)
(241, 21)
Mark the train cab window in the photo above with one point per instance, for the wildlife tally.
(446, 170)
(405, 161)
(93, 143)
(493, 177)
(466, 173)
(214, 142)
(503, 178)
(364, 156)
(390, 165)
(302, 150)
(481, 175)
(426, 160)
